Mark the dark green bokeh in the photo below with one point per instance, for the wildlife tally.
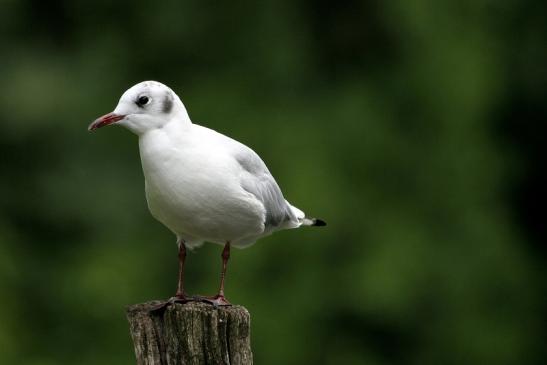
(381, 118)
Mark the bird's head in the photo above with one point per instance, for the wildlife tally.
(145, 106)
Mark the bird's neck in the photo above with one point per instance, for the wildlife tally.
(180, 114)
(175, 129)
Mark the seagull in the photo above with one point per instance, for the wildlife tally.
(202, 185)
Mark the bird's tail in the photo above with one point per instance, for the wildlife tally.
(313, 222)
(305, 221)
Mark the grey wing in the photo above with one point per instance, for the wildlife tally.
(258, 181)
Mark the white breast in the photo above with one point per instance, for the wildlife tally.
(192, 187)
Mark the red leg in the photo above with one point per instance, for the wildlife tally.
(180, 296)
(225, 257)
(182, 257)
(220, 299)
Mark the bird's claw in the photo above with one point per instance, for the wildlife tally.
(217, 301)
(182, 299)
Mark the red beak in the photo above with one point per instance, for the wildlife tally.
(105, 120)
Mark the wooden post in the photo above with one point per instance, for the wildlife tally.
(191, 333)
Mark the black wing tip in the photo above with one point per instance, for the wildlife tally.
(319, 223)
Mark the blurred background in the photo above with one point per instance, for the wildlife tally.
(415, 129)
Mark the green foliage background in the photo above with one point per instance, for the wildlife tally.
(386, 119)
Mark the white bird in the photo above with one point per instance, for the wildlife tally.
(202, 185)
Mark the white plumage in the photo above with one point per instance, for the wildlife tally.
(202, 185)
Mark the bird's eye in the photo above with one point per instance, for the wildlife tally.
(142, 100)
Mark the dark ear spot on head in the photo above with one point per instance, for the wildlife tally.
(167, 102)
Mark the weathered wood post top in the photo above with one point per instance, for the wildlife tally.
(190, 333)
